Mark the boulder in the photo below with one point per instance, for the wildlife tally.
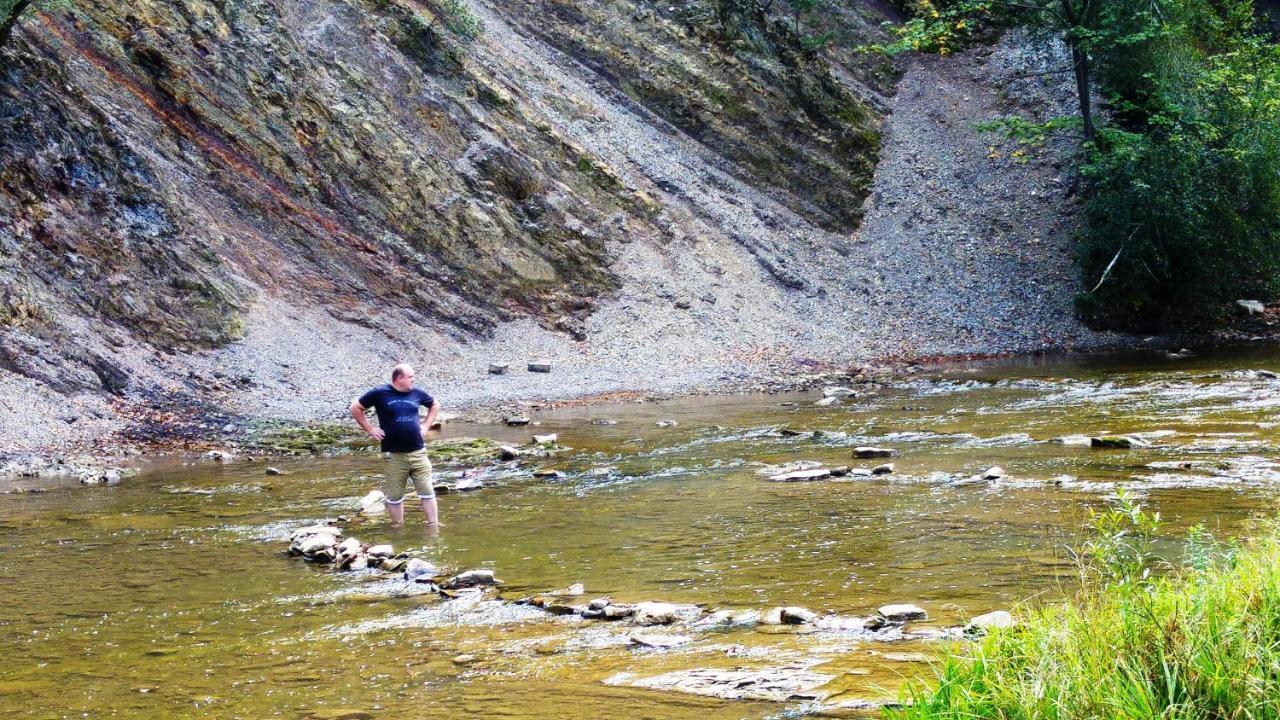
(902, 612)
(516, 420)
(220, 456)
(498, 368)
(826, 401)
(508, 452)
(866, 452)
(350, 546)
(552, 474)
(316, 543)
(838, 392)
(839, 471)
(548, 439)
(599, 603)
(994, 472)
(885, 469)
(274, 471)
(539, 366)
(1072, 440)
(616, 611)
(981, 624)
(312, 530)
(471, 578)
(575, 590)
(468, 483)
(654, 613)
(790, 432)
(772, 616)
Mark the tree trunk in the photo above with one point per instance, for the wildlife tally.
(6, 25)
(1080, 64)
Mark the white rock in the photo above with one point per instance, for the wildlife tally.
(994, 472)
(471, 578)
(885, 469)
(902, 612)
(381, 551)
(545, 439)
(468, 483)
(801, 475)
(373, 503)
(798, 616)
(983, 623)
(824, 402)
(659, 641)
(419, 570)
(666, 423)
(654, 613)
(1251, 307)
(312, 530)
(838, 392)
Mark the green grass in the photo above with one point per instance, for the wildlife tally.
(1201, 643)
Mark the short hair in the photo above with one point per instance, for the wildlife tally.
(398, 371)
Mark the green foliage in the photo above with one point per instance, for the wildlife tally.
(1120, 550)
(1183, 213)
(1201, 644)
(460, 20)
(941, 30)
(11, 12)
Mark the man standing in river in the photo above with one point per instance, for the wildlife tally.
(401, 432)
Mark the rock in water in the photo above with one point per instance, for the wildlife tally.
(903, 612)
(654, 613)
(373, 503)
(666, 423)
(419, 570)
(381, 551)
(994, 472)
(1119, 442)
(885, 469)
(274, 471)
(824, 402)
(866, 452)
(471, 578)
(548, 439)
(801, 475)
(798, 616)
(508, 452)
(468, 483)
(517, 420)
(659, 641)
(983, 623)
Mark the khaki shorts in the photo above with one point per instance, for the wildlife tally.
(402, 467)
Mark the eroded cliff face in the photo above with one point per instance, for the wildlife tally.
(167, 165)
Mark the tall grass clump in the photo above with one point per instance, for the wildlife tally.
(1202, 642)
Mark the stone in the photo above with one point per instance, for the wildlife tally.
(374, 503)
(615, 611)
(981, 624)
(381, 551)
(824, 402)
(553, 474)
(316, 543)
(1251, 307)
(392, 564)
(885, 469)
(468, 483)
(654, 613)
(797, 616)
(994, 472)
(875, 622)
(666, 423)
(220, 456)
(902, 612)
(772, 616)
(906, 657)
(112, 476)
(419, 570)
(471, 578)
(801, 475)
(548, 439)
(790, 432)
(866, 452)
(498, 368)
(350, 546)
(660, 641)
(312, 530)
(464, 659)
(274, 471)
(516, 420)
(840, 471)
(599, 603)
(1117, 442)
(1077, 440)
(838, 392)
(508, 452)
(603, 421)
(539, 367)
(575, 590)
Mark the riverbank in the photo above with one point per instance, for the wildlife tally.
(1202, 643)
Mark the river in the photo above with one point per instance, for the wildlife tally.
(170, 595)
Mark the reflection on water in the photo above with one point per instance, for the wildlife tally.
(170, 595)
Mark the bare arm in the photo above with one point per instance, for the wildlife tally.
(357, 412)
(431, 416)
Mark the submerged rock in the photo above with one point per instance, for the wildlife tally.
(468, 483)
(827, 401)
(776, 684)
(666, 423)
(274, 471)
(659, 641)
(801, 475)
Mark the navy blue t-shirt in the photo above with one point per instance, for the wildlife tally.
(398, 416)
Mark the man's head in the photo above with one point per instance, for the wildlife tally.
(402, 377)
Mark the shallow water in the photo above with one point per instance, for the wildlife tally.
(171, 596)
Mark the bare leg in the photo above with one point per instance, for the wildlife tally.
(395, 511)
(431, 510)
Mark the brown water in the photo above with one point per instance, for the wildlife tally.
(151, 600)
